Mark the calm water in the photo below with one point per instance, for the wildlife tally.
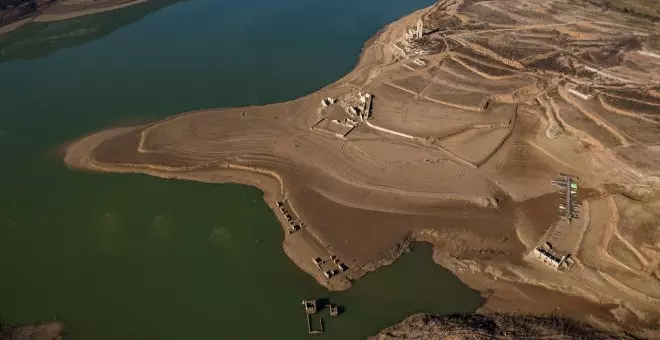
(136, 257)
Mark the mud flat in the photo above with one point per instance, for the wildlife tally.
(439, 153)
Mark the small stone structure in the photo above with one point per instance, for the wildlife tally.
(419, 62)
(327, 102)
(580, 94)
(366, 100)
(347, 122)
(543, 253)
(310, 306)
(334, 310)
(294, 223)
(418, 31)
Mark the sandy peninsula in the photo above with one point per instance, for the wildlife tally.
(453, 138)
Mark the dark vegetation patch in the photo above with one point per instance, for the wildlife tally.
(495, 326)
(512, 51)
(605, 57)
(438, 22)
(557, 63)
(491, 70)
(633, 105)
(484, 68)
(483, 40)
(610, 55)
(432, 45)
(14, 10)
(645, 9)
(634, 94)
(468, 53)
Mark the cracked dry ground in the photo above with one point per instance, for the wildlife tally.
(510, 94)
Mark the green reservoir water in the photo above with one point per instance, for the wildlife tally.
(135, 257)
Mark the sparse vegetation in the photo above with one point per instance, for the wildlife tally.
(497, 326)
(649, 9)
(14, 10)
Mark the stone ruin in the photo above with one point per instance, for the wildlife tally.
(404, 46)
(418, 31)
(327, 102)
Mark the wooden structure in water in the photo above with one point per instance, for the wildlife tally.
(310, 329)
(334, 310)
(310, 306)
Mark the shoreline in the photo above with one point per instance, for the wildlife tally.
(15, 25)
(45, 15)
(48, 17)
(266, 181)
(476, 254)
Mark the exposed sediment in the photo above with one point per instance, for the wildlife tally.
(43, 331)
(474, 179)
